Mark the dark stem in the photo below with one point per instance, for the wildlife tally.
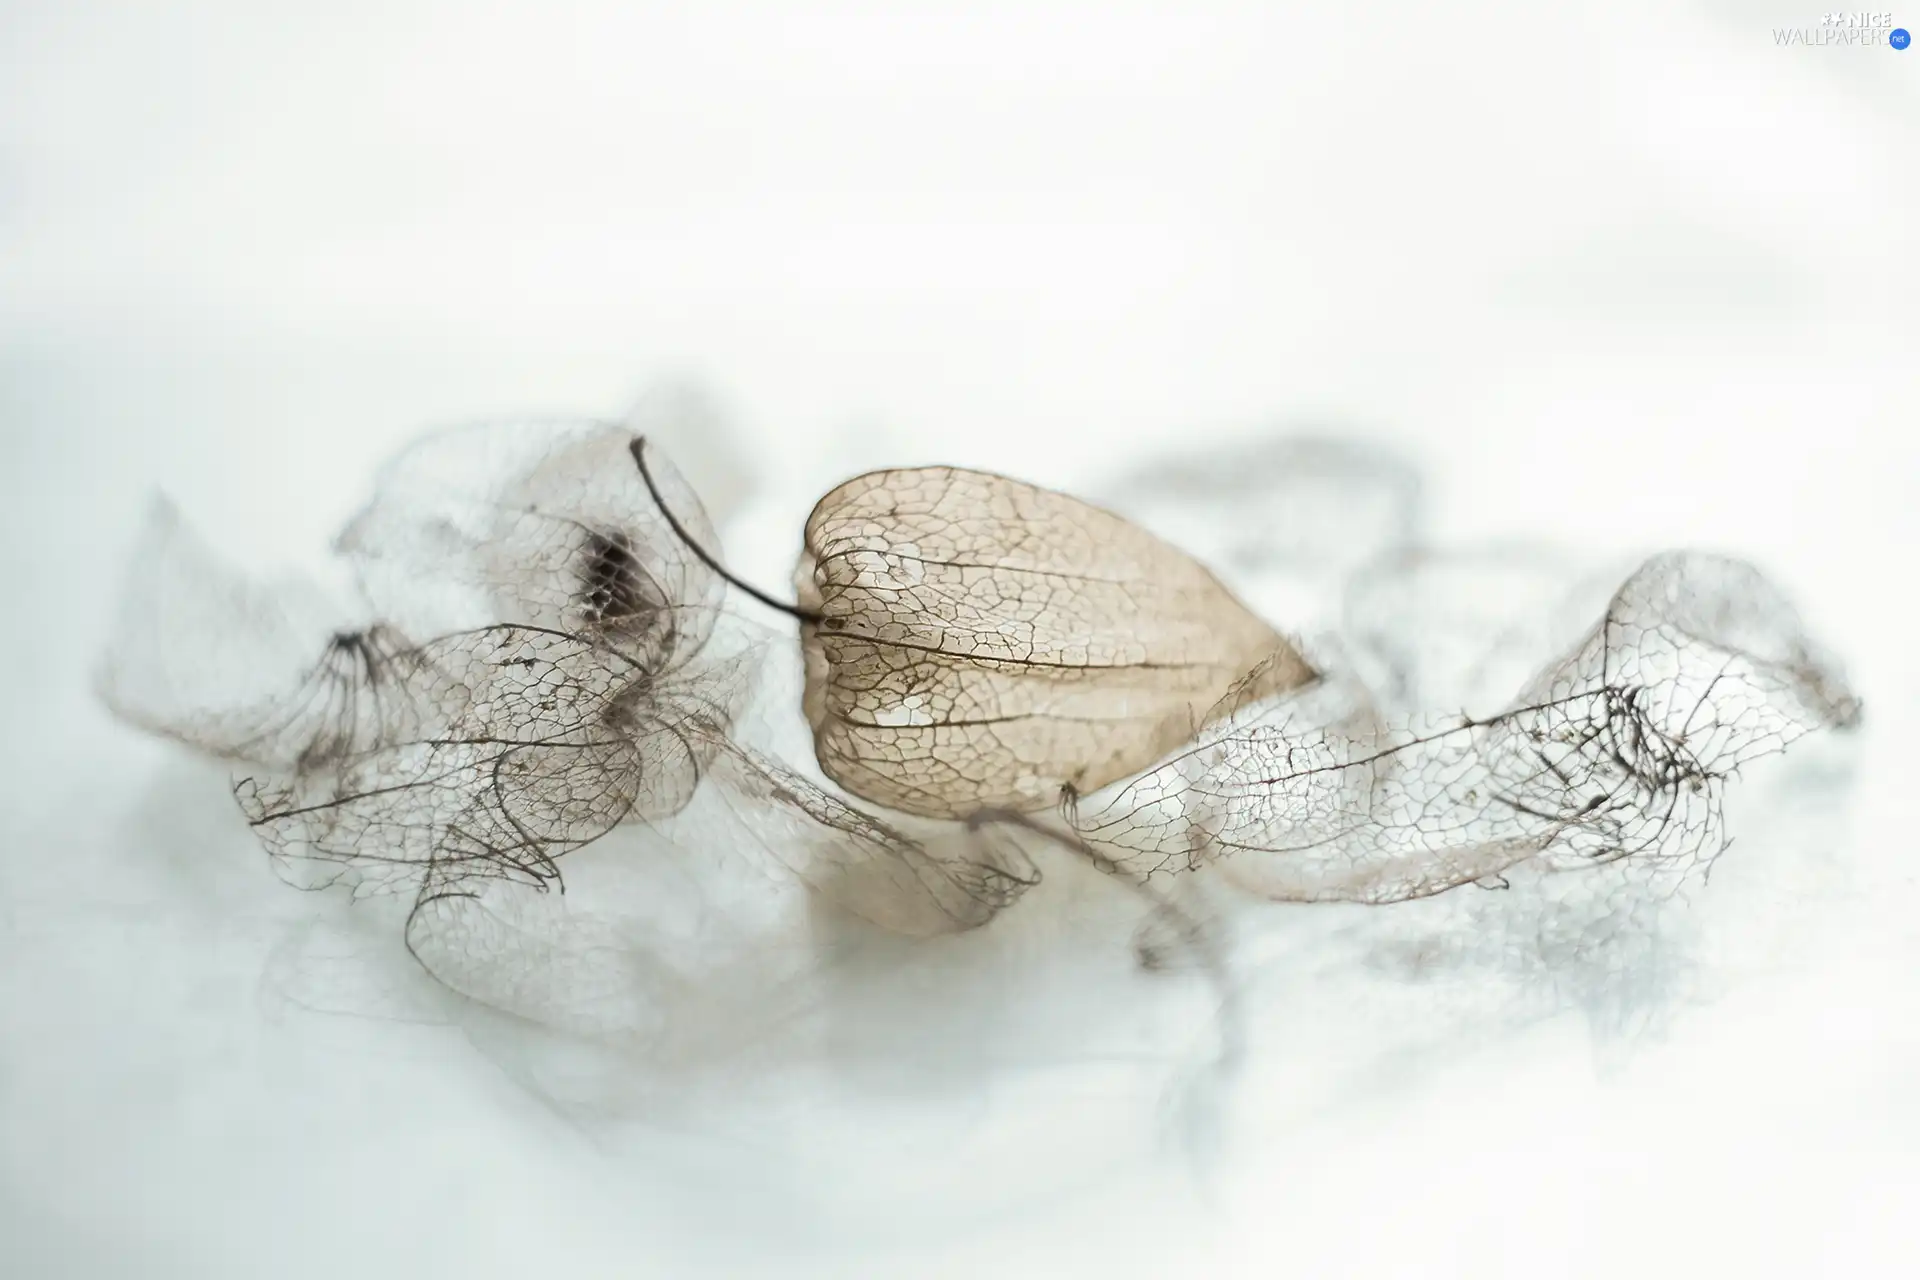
(639, 450)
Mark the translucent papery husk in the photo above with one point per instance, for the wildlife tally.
(1619, 749)
(466, 772)
(544, 524)
(985, 644)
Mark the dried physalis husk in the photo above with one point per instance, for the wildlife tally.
(575, 677)
(1619, 749)
(977, 643)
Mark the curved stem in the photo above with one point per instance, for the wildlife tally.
(639, 451)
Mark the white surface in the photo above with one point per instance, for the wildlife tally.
(1624, 278)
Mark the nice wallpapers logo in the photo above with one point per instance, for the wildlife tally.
(1838, 29)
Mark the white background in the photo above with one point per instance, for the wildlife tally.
(1623, 277)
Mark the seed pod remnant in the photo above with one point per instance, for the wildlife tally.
(978, 643)
(1618, 749)
(538, 660)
